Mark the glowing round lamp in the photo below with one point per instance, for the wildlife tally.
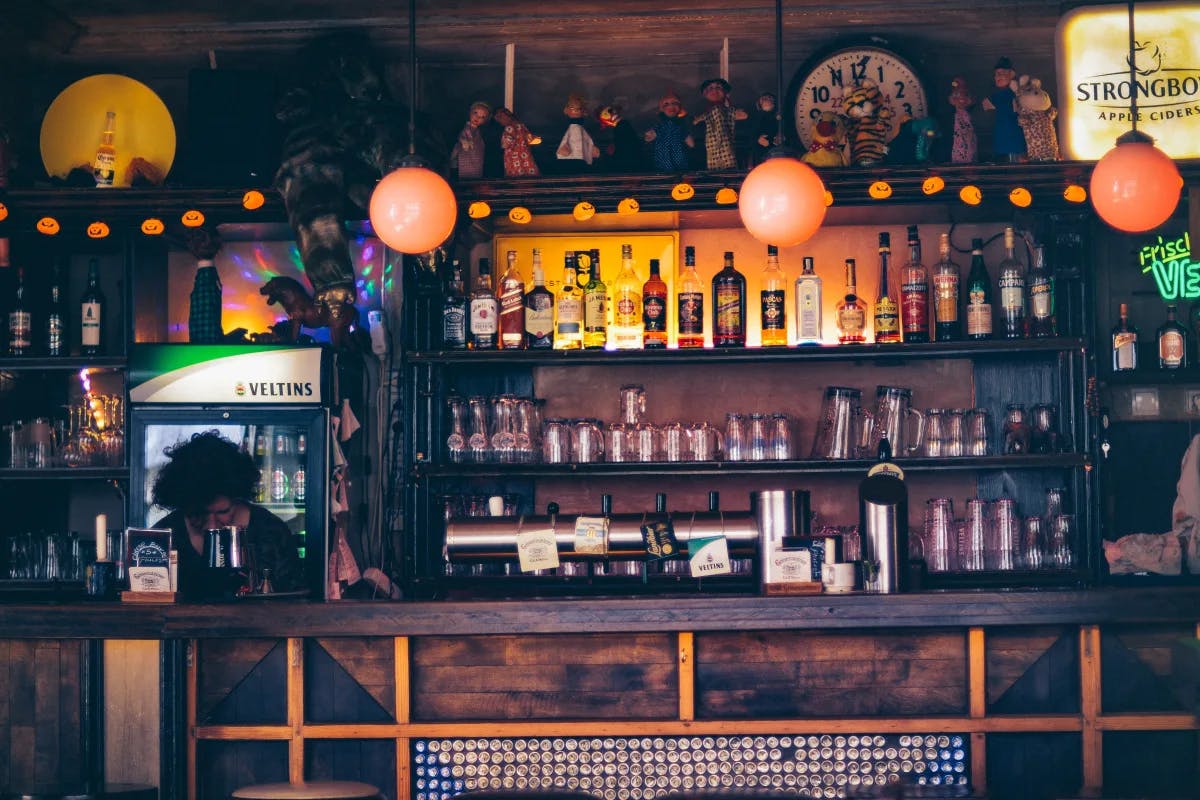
(782, 201)
(413, 209)
(1135, 186)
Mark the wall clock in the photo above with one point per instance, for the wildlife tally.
(820, 84)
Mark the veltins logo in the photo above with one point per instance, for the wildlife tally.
(240, 389)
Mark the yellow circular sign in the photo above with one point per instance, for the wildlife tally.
(74, 122)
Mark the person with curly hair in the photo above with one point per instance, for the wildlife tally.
(207, 483)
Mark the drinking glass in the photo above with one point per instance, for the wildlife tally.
(780, 442)
(675, 442)
(935, 432)
(456, 441)
(645, 442)
(1032, 543)
(939, 534)
(979, 432)
(1061, 538)
(757, 438)
(633, 404)
(955, 441)
(705, 441)
(1004, 542)
(735, 437)
(973, 537)
(618, 443)
(1016, 430)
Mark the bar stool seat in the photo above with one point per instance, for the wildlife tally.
(310, 790)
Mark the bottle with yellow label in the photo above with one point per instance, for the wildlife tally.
(595, 301)
(887, 312)
(851, 313)
(104, 166)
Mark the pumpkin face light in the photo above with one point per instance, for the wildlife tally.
(48, 226)
(828, 198)
(1075, 193)
(970, 195)
(253, 200)
(1020, 197)
(880, 190)
(683, 191)
(152, 226)
(933, 184)
(3, 212)
(727, 197)
(628, 206)
(479, 210)
(192, 219)
(583, 211)
(520, 215)
(97, 230)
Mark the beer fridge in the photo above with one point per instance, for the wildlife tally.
(270, 400)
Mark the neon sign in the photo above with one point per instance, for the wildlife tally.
(1177, 276)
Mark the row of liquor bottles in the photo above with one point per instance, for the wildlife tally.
(1173, 344)
(40, 326)
(931, 303)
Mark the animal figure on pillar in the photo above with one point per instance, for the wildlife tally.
(305, 312)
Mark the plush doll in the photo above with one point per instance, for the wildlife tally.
(765, 129)
(965, 147)
(669, 136)
(1008, 142)
(467, 157)
(828, 142)
(868, 123)
(718, 120)
(913, 143)
(515, 141)
(620, 146)
(1036, 115)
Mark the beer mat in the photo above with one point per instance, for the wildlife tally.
(796, 587)
(147, 597)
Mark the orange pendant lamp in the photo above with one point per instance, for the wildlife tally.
(413, 209)
(1135, 186)
(782, 200)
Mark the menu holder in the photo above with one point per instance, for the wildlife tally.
(148, 597)
(148, 565)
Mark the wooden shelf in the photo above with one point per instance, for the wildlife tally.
(62, 364)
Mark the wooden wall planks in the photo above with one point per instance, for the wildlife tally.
(41, 695)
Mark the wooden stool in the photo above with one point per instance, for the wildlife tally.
(312, 790)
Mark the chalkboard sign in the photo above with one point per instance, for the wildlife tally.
(148, 559)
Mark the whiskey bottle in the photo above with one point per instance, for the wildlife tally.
(595, 301)
(91, 314)
(454, 311)
(852, 311)
(485, 310)
(20, 320)
(887, 313)
(729, 305)
(1124, 343)
(1012, 291)
(627, 326)
(539, 309)
(568, 311)
(979, 295)
(512, 306)
(773, 301)
(104, 166)
(654, 309)
(946, 322)
(808, 305)
(1042, 319)
(54, 339)
(914, 292)
(1172, 342)
(691, 302)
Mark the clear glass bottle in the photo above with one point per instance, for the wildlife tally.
(1124, 343)
(539, 309)
(654, 308)
(979, 295)
(104, 166)
(512, 306)
(454, 310)
(568, 309)
(773, 301)
(691, 303)
(485, 310)
(91, 313)
(20, 320)
(808, 305)
(595, 301)
(627, 328)
(54, 330)
(729, 305)
(1012, 290)
(852, 311)
(947, 324)
(1172, 342)
(914, 292)
(886, 316)
(1043, 321)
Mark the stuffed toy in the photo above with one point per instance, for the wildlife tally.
(868, 123)
(470, 153)
(670, 136)
(965, 147)
(575, 146)
(765, 129)
(515, 141)
(913, 142)
(828, 141)
(719, 120)
(1008, 142)
(1036, 115)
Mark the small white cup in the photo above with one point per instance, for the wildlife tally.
(838, 577)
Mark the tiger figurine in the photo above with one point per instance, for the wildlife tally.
(868, 124)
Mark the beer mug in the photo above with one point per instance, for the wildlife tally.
(705, 442)
(618, 443)
(456, 440)
(633, 404)
(935, 432)
(479, 445)
(844, 427)
(894, 419)
(556, 441)
(588, 441)
(675, 442)
(645, 441)
(978, 437)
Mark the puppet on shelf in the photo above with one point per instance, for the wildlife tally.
(1036, 115)
(469, 153)
(204, 303)
(828, 141)
(1008, 142)
(515, 140)
(719, 119)
(576, 151)
(620, 147)
(868, 123)
(670, 136)
(913, 142)
(964, 148)
(765, 129)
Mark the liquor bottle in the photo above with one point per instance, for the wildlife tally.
(808, 305)
(729, 306)
(1042, 313)
(568, 310)
(104, 167)
(887, 313)
(627, 328)
(852, 311)
(485, 310)
(454, 311)
(914, 292)
(595, 303)
(539, 309)
(20, 320)
(691, 302)
(946, 322)
(654, 309)
(1172, 342)
(773, 301)
(979, 295)
(1012, 291)
(54, 329)
(1124, 343)
(91, 314)
(511, 292)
